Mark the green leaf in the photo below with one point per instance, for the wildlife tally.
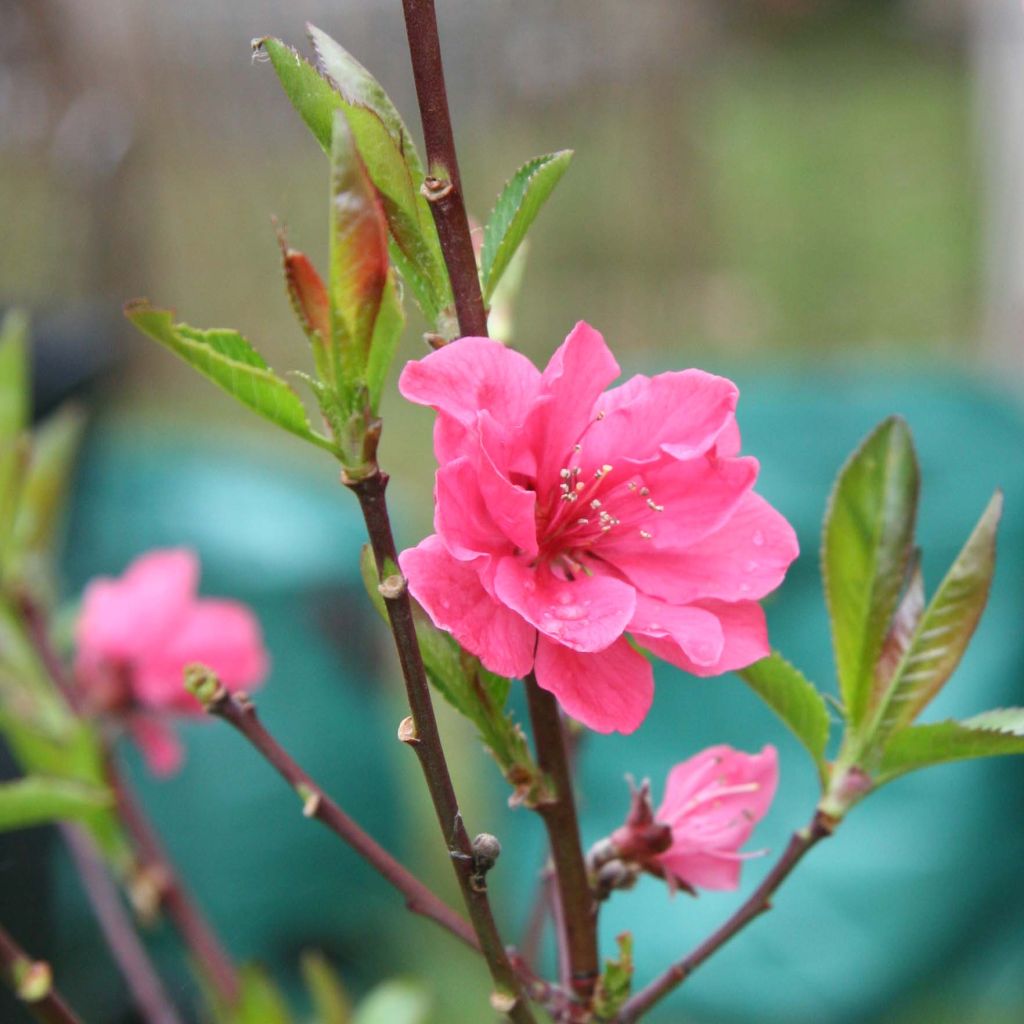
(37, 800)
(14, 376)
(417, 251)
(360, 89)
(330, 1000)
(260, 1001)
(991, 734)
(941, 637)
(517, 207)
(226, 358)
(14, 459)
(788, 693)
(616, 980)
(398, 1001)
(866, 547)
(387, 330)
(359, 260)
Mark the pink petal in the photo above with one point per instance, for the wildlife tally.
(746, 558)
(122, 618)
(745, 636)
(680, 413)
(224, 635)
(573, 380)
(461, 515)
(586, 614)
(724, 766)
(729, 441)
(159, 743)
(695, 630)
(471, 374)
(608, 692)
(704, 870)
(452, 595)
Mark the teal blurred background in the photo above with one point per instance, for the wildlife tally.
(820, 199)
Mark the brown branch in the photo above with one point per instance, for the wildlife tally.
(125, 945)
(579, 908)
(32, 983)
(820, 827)
(196, 932)
(443, 187)
(241, 713)
(425, 740)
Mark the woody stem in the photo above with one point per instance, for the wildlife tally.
(820, 827)
(579, 909)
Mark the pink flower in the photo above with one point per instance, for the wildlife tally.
(567, 518)
(712, 803)
(136, 634)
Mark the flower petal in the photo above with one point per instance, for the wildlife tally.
(680, 413)
(608, 692)
(746, 558)
(695, 630)
(586, 614)
(461, 515)
(471, 374)
(745, 640)
(577, 373)
(159, 743)
(452, 595)
(704, 869)
(121, 618)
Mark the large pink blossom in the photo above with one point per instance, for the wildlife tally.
(712, 803)
(135, 635)
(568, 516)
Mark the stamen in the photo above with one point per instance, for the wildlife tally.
(651, 503)
(646, 535)
(596, 503)
(644, 491)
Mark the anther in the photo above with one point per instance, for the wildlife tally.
(583, 522)
(644, 491)
(596, 503)
(646, 535)
(651, 503)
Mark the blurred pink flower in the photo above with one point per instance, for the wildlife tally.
(712, 803)
(135, 635)
(566, 517)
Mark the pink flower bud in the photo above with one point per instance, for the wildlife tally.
(712, 803)
(136, 634)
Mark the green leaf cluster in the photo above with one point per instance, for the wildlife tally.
(476, 693)
(616, 981)
(894, 650)
(60, 755)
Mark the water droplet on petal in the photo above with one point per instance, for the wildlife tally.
(758, 539)
(445, 603)
(565, 597)
(570, 612)
(744, 588)
(529, 586)
(751, 566)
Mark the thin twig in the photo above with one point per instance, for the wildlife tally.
(197, 934)
(443, 187)
(241, 713)
(820, 827)
(579, 908)
(125, 945)
(426, 742)
(32, 983)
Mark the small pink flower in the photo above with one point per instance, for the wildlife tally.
(136, 634)
(567, 518)
(712, 803)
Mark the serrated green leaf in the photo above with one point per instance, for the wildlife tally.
(359, 88)
(359, 260)
(944, 630)
(399, 1001)
(226, 358)
(991, 734)
(866, 546)
(14, 376)
(901, 631)
(14, 459)
(37, 800)
(387, 330)
(331, 1004)
(310, 93)
(786, 690)
(516, 209)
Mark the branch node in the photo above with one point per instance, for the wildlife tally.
(310, 798)
(434, 341)
(407, 731)
(33, 980)
(503, 1002)
(392, 587)
(435, 189)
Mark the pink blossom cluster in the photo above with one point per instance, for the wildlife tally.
(136, 634)
(574, 525)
